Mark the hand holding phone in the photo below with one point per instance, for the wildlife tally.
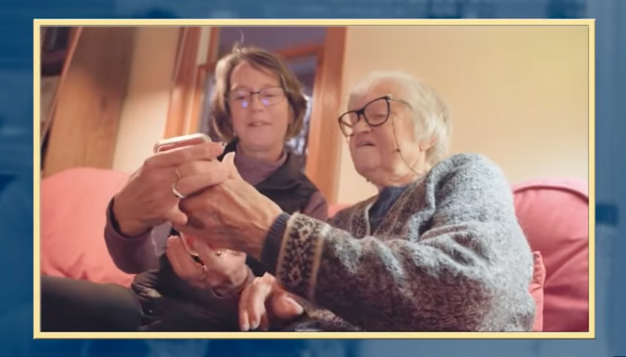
(147, 199)
(179, 142)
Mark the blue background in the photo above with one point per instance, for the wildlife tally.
(16, 120)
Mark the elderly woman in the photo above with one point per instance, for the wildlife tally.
(438, 249)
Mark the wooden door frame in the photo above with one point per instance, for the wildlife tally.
(324, 143)
(183, 77)
(201, 77)
(324, 140)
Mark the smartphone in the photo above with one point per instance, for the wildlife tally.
(181, 141)
(174, 143)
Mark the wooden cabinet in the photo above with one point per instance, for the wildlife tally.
(80, 126)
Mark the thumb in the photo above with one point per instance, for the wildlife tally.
(286, 308)
(177, 217)
(229, 161)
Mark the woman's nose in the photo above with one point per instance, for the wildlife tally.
(256, 102)
(361, 126)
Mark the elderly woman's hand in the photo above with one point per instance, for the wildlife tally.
(223, 272)
(148, 198)
(264, 301)
(231, 215)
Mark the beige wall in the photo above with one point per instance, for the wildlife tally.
(518, 94)
(145, 109)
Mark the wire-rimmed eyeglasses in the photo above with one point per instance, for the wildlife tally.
(269, 96)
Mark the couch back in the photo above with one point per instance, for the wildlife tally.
(73, 217)
(553, 213)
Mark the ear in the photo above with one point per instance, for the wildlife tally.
(229, 161)
(427, 144)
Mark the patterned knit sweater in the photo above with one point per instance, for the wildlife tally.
(449, 255)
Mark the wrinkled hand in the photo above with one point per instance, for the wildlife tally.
(265, 301)
(222, 273)
(231, 215)
(147, 198)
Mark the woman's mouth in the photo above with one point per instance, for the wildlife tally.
(256, 124)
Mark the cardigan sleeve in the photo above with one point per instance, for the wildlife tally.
(466, 269)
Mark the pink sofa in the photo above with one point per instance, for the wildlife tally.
(73, 207)
(552, 212)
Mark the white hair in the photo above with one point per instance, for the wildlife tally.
(432, 119)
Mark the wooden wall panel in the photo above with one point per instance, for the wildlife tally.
(90, 99)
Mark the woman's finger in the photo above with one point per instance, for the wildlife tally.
(244, 319)
(256, 305)
(207, 254)
(199, 167)
(186, 261)
(184, 266)
(253, 308)
(202, 211)
(265, 322)
(229, 162)
(191, 229)
(284, 307)
(173, 257)
(218, 265)
(199, 175)
(176, 216)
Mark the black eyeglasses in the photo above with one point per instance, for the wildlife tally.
(376, 112)
(268, 96)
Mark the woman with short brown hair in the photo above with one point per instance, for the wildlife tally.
(256, 107)
(288, 87)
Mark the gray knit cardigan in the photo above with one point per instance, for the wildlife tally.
(448, 256)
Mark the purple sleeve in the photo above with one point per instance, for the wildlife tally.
(134, 255)
(317, 207)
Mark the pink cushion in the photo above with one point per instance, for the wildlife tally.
(536, 290)
(73, 216)
(554, 214)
